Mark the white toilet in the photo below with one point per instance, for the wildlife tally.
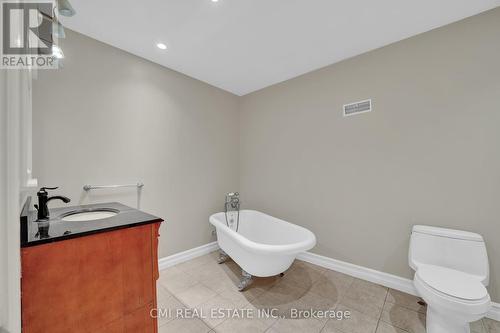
(451, 272)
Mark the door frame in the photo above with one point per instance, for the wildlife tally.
(16, 108)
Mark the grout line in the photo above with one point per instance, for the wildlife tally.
(272, 325)
(324, 325)
(390, 324)
(383, 306)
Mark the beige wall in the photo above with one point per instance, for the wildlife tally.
(109, 117)
(428, 154)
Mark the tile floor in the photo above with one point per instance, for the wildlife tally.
(201, 285)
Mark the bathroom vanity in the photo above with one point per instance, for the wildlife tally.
(83, 275)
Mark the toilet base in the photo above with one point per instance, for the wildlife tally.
(439, 322)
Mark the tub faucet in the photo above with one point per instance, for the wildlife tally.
(232, 206)
(233, 200)
(43, 199)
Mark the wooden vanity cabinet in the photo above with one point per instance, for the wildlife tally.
(104, 282)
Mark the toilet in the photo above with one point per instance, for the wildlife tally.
(451, 272)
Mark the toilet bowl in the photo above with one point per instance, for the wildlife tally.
(451, 272)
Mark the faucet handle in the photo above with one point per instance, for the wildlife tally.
(44, 189)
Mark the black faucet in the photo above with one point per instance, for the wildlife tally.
(43, 199)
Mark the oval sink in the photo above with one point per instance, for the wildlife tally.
(89, 214)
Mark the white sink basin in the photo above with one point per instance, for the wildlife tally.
(89, 215)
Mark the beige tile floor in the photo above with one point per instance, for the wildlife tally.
(202, 285)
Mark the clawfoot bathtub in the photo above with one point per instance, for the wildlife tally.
(263, 245)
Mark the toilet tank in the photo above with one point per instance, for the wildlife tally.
(460, 250)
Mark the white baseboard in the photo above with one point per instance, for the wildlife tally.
(360, 272)
(368, 274)
(177, 258)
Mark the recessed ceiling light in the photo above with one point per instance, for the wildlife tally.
(215, 0)
(161, 46)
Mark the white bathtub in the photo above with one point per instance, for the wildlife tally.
(263, 245)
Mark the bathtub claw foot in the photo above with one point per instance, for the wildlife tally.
(223, 257)
(245, 281)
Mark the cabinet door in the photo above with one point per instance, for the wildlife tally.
(49, 288)
(100, 281)
(75, 284)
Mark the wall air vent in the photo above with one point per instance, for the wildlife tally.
(357, 107)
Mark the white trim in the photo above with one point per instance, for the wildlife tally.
(368, 274)
(16, 116)
(360, 272)
(177, 258)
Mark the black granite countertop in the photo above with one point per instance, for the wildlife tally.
(55, 229)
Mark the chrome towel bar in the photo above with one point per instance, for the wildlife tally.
(98, 187)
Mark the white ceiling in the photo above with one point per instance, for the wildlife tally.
(245, 45)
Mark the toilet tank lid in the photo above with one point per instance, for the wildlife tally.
(449, 233)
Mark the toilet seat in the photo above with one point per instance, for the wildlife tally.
(451, 289)
(452, 282)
